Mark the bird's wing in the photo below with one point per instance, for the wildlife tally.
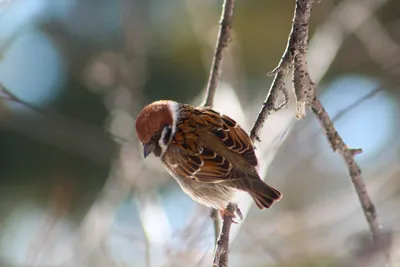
(205, 166)
(190, 160)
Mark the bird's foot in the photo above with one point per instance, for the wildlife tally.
(232, 211)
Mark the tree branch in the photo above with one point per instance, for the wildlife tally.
(221, 248)
(88, 141)
(295, 56)
(305, 91)
(5, 94)
(216, 223)
(278, 86)
(339, 146)
(224, 37)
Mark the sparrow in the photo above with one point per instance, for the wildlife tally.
(209, 154)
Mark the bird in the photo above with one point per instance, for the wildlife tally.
(208, 153)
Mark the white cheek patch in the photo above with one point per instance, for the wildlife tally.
(174, 108)
(170, 129)
(163, 142)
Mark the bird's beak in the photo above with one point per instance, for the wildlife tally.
(147, 149)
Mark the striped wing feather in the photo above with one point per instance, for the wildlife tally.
(190, 160)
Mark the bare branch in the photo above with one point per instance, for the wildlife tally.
(221, 249)
(349, 108)
(339, 146)
(216, 222)
(360, 101)
(268, 107)
(333, 26)
(8, 96)
(83, 139)
(323, 49)
(306, 94)
(296, 55)
(224, 37)
(277, 86)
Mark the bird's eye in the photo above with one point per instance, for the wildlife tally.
(156, 136)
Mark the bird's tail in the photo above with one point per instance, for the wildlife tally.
(263, 194)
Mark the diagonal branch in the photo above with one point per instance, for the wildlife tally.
(295, 56)
(305, 90)
(5, 94)
(224, 37)
(216, 224)
(222, 245)
(83, 139)
(278, 86)
(339, 146)
(269, 105)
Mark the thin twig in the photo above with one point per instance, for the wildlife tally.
(305, 90)
(346, 110)
(268, 107)
(221, 249)
(224, 37)
(216, 223)
(360, 101)
(277, 86)
(339, 146)
(337, 24)
(83, 139)
(6, 95)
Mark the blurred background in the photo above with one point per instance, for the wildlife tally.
(74, 189)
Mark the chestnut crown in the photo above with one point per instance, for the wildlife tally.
(152, 119)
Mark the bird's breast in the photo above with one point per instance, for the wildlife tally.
(213, 195)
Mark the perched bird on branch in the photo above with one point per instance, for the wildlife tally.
(209, 154)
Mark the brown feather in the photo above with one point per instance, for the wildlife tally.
(210, 155)
(201, 134)
(151, 119)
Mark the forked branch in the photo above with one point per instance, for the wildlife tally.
(295, 56)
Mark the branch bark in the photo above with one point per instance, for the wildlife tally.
(216, 223)
(222, 245)
(295, 56)
(348, 154)
(306, 88)
(224, 37)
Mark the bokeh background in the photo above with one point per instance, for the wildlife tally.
(74, 189)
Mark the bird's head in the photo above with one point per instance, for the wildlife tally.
(155, 126)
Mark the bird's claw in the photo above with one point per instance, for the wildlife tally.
(236, 213)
